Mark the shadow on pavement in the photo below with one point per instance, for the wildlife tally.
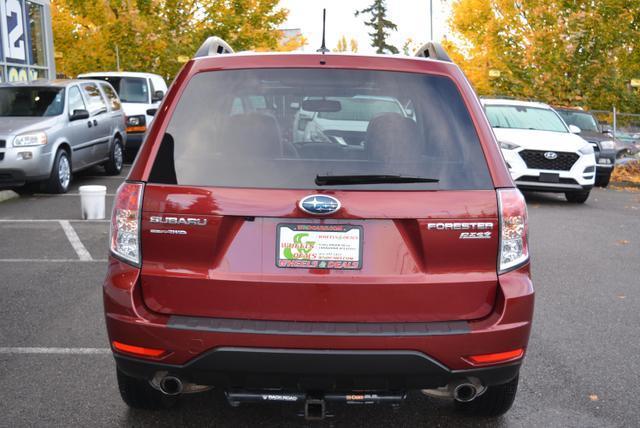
(212, 409)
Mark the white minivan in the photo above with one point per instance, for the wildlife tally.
(140, 94)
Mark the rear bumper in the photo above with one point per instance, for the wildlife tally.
(532, 183)
(324, 356)
(316, 370)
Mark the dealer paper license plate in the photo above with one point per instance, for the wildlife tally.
(319, 246)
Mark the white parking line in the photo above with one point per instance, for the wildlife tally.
(64, 194)
(75, 241)
(114, 177)
(47, 220)
(51, 260)
(54, 351)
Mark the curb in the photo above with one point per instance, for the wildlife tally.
(6, 195)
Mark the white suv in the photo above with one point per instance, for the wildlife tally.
(543, 153)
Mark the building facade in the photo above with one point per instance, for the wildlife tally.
(26, 48)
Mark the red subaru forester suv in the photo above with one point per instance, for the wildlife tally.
(317, 228)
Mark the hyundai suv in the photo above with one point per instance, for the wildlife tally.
(314, 273)
(542, 152)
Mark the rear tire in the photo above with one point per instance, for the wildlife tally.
(139, 394)
(603, 180)
(60, 177)
(495, 401)
(577, 197)
(116, 158)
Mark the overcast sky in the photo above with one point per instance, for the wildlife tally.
(411, 16)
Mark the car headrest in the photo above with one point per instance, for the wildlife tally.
(253, 135)
(393, 137)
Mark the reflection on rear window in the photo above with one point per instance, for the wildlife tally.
(282, 128)
(362, 109)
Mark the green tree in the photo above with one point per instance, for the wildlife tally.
(380, 25)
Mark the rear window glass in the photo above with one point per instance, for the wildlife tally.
(282, 128)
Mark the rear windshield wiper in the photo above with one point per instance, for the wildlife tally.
(333, 180)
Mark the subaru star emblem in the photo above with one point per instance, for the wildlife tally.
(551, 155)
(319, 204)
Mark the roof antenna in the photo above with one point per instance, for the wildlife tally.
(323, 48)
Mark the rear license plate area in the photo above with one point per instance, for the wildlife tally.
(319, 246)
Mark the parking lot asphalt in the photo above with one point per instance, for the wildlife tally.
(582, 367)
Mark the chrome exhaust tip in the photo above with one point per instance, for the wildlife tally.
(465, 392)
(171, 385)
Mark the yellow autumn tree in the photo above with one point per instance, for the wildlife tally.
(344, 46)
(153, 35)
(568, 53)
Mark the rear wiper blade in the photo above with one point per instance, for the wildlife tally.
(333, 180)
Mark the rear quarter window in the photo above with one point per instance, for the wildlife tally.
(252, 128)
(114, 101)
(95, 102)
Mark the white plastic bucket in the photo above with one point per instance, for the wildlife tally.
(92, 201)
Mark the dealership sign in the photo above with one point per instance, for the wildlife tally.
(15, 46)
(14, 40)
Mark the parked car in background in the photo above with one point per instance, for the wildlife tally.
(627, 144)
(543, 153)
(140, 94)
(51, 129)
(603, 143)
(330, 272)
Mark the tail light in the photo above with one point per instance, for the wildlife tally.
(138, 350)
(514, 245)
(499, 357)
(125, 223)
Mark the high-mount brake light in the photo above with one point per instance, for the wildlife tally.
(514, 245)
(125, 223)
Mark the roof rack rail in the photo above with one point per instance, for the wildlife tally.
(433, 50)
(213, 46)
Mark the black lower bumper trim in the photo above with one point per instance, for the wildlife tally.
(134, 141)
(12, 178)
(316, 370)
